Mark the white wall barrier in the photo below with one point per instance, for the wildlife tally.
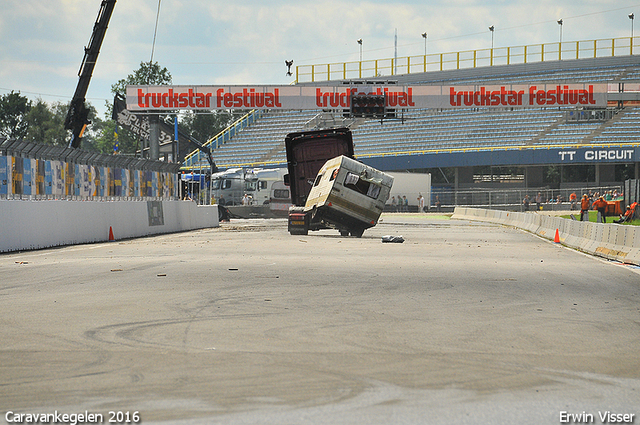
(44, 224)
(610, 240)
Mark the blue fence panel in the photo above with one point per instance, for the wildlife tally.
(4, 181)
(77, 179)
(103, 181)
(27, 183)
(48, 178)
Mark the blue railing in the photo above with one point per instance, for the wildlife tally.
(195, 158)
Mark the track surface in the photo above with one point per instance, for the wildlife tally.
(245, 324)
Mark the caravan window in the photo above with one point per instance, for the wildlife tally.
(281, 193)
(354, 182)
(334, 174)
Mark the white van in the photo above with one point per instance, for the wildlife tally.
(259, 183)
(231, 185)
(280, 201)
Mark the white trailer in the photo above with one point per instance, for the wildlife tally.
(231, 185)
(348, 195)
(259, 183)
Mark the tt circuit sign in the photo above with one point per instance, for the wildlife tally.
(598, 155)
(168, 98)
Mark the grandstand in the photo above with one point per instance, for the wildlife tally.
(424, 139)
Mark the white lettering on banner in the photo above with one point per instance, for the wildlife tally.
(158, 98)
(569, 153)
(610, 155)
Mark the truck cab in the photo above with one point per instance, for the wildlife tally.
(227, 187)
(307, 154)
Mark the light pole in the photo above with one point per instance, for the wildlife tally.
(631, 16)
(560, 22)
(424, 35)
(492, 29)
(360, 43)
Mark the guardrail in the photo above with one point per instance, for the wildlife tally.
(612, 241)
(608, 47)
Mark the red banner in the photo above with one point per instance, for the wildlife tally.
(167, 98)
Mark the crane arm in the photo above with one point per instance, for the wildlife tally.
(206, 150)
(77, 116)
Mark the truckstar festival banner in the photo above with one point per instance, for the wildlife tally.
(165, 98)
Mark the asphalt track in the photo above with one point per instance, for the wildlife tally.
(465, 323)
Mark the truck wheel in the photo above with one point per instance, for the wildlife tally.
(344, 233)
(357, 232)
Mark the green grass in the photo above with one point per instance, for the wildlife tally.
(593, 215)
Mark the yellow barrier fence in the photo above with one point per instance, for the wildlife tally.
(377, 68)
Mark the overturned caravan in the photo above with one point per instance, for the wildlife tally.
(348, 195)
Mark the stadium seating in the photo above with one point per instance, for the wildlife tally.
(262, 143)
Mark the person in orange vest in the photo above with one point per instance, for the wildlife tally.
(601, 205)
(574, 200)
(584, 207)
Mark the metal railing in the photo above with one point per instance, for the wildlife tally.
(608, 47)
(512, 199)
(192, 160)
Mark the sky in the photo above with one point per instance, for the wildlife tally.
(214, 42)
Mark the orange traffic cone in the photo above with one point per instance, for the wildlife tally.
(557, 238)
(111, 238)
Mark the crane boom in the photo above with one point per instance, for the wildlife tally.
(77, 116)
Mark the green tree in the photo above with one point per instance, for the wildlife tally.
(149, 73)
(552, 176)
(105, 140)
(13, 112)
(203, 127)
(46, 123)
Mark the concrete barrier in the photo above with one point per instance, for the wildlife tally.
(611, 241)
(44, 224)
(632, 240)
